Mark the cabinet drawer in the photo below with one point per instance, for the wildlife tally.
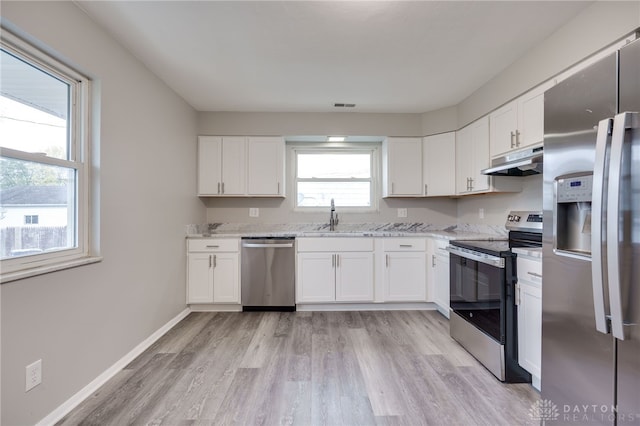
(404, 244)
(529, 270)
(213, 245)
(332, 244)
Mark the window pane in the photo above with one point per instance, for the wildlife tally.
(352, 194)
(37, 208)
(34, 109)
(334, 166)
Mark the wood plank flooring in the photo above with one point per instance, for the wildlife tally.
(303, 368)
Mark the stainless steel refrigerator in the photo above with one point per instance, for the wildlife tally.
(591, 245)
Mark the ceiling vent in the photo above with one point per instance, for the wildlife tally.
(339, 105)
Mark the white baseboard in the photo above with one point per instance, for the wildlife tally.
(417, 306)
(71, 403)
(215, 308)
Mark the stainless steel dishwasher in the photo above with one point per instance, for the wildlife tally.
(268, 274)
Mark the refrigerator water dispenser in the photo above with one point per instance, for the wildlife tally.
(572, 224)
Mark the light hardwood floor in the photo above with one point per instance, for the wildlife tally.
(302, 368)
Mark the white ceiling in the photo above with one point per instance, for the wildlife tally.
(384, 56)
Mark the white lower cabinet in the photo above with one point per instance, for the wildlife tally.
(334, 270)
(405, 270)
(529, 301)
(354, 277)
(441, 275)
(213, 271)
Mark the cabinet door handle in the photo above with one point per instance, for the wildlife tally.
(433, 260)
(210, 260)
(215, 261)
(278, 189)
(535, 274)
(333, 260)
(517, 138)
(218, 187)
(470, 184)
(512, 137)
(337, 260)
(223, 187)
(386, 256)
(425, 189)
(391, 188)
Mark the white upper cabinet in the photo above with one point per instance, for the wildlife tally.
(209, 165)
(221, 165)
(233, 170)
(265, 166)
(438, 165)
(520, 123)
(472, 156)
(504, 125)
(240, 166)
(402, 167)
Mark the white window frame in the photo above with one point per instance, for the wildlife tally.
(335, 148)
(78, 160)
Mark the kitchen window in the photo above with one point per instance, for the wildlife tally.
(43, 161)
(345, 174)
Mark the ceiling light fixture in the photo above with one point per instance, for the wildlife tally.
(336, 138)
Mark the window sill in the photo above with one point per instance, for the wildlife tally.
(41, 270)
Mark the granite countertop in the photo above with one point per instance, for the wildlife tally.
(239, 230)
(535, 252)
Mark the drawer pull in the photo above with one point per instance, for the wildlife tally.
(535, 274)
(213, 246)
(406, 245)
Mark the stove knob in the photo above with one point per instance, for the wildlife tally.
(510, 218)
(516, 218)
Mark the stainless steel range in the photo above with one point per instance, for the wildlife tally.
(483, 314)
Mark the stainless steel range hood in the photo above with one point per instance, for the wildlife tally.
(521, 163)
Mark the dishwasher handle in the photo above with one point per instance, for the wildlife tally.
(275, 245)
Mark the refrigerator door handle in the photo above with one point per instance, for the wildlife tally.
(603, 143)
(621, 124)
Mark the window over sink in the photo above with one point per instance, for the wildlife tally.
(346, 174)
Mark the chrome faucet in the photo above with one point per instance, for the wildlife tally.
(333, 218)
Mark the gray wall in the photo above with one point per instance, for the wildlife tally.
(303, 123)
(80, 321)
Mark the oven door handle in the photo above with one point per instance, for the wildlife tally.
(496, 261)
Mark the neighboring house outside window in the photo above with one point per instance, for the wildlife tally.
(43, 159)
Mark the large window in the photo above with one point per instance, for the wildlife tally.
(43, 159)
(346, 175)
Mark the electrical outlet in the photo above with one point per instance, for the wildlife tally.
(254, 212)
(481, 213)
(402, 212)
(33, 375)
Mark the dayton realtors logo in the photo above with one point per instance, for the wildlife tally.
(543, 411)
